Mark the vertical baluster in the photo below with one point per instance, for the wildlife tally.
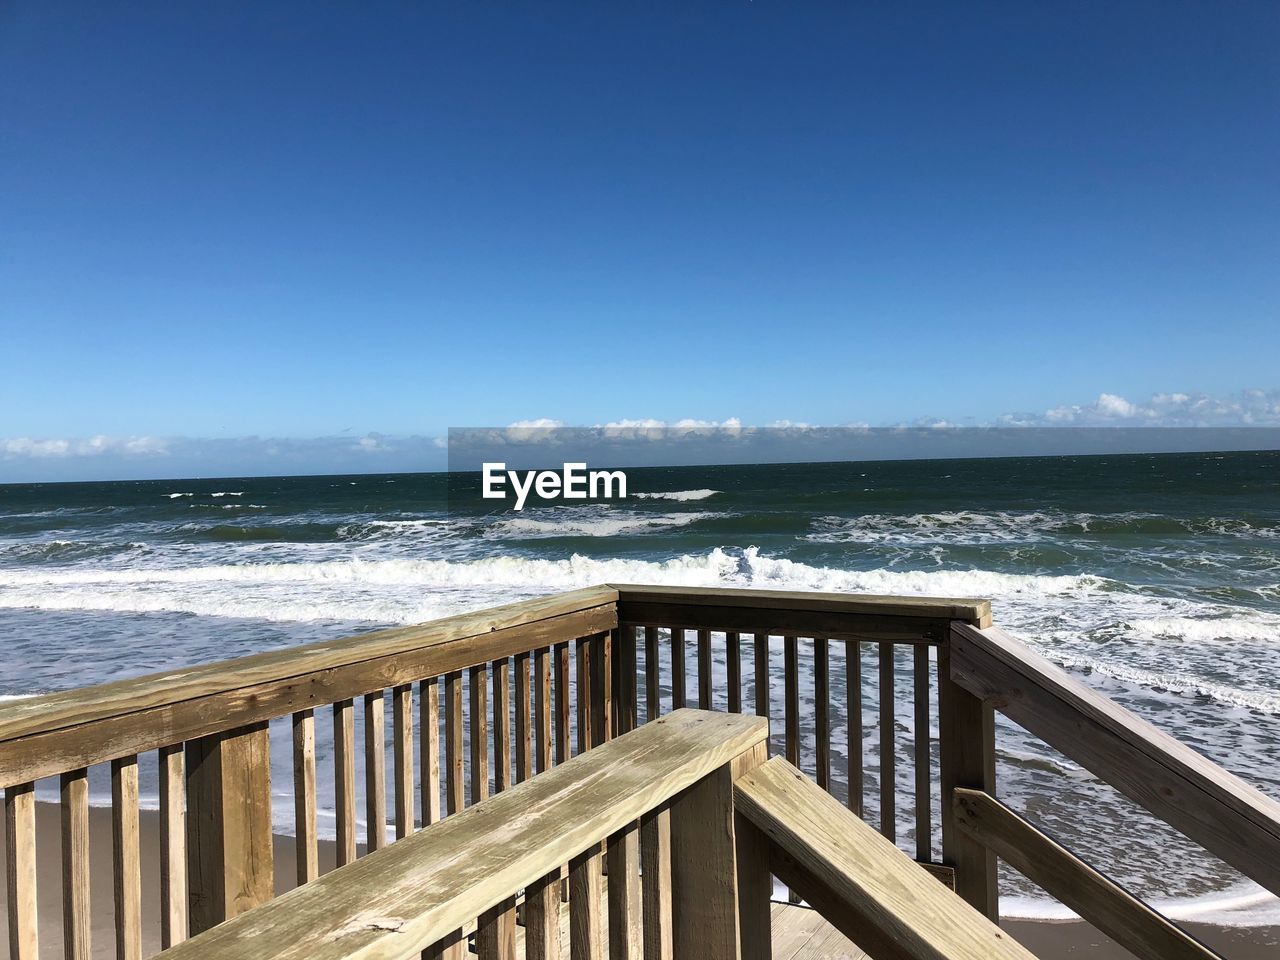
(678, 684)
(733, 663)
(562, 702)
(655, 883)
(402, 757)
(454, 946)
(601, 688)
(173, 843)
(622, 858)
(454, 798)
(888, 776)
(704, 669)
(478, 685)
(585, 697)
(704, 866)
(20, 861)
(524, 753)
(304, 797)
(762, 674)
(542, 918)
(375, 771)
(496, 931)
(429, 724)
(542, 708)
(75, 865)
(586, 922)
(126, 861)
(626, 690)
(822, 712)
(500, 674)
(652, 675)
(344, 780)
(853, 701)
(924, 782)
(791, 710)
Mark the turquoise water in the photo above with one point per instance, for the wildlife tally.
(1153, 578)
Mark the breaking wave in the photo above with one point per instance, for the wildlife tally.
(681, 495)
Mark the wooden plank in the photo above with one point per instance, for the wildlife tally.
(75, 708)
(704, 873)
(1209, 805)
(968, 610)
(585, 695)
(704, 669)
(524, 703)
(375, 771)
(622, 859)
(542, 918)
(230, 866)
(455, 798)
(652, 674)
(304, 796)
(429, 748)
(20, 867)
(477, 687)
(561, 653)
(822, 711)
(75, 865)
(921, 741)
(783, 620)
(416, 890)
(173, 845)
(867, 888)
(586, 920)
(602, 684)
(967, 758)
(755, 883)
(500, 675)
(126, 864)
(451, 947)
(496, 932)
(853, 708)
(50, 753)
(762, 674)
(542, 708)
(791, 698)
(888, 745)
(733, 663)
(344, 780)
(655, 883)
(1097, 898)
(679, 685)
(402, 757)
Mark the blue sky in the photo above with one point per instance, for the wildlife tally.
(320, 223)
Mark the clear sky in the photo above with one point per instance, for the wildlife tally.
(312, 220)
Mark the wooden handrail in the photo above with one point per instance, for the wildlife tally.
(1099, 899)
(399, 900)
(50, 734)
(1211, 806)
(859, 881)
(833, 615)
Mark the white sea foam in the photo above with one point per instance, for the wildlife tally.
(228, 493)
(175, 496)
(1246, 905)
(1251, 626)
(681, 495)
(582, 522)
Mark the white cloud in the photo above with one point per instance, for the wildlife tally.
(1249, 408)
(53, 448)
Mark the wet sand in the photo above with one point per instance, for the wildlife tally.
(1048, 940)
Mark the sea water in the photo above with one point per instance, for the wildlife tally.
(1154, 579)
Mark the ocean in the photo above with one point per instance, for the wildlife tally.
(1155, 579)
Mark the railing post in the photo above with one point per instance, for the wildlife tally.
(228, 824)
(705, 869)
(968, 759)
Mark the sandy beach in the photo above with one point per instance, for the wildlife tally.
(1047, 939)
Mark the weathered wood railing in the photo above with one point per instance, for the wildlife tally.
(733, 819)
(527, 686)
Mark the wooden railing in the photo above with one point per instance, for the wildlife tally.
(501, 695)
